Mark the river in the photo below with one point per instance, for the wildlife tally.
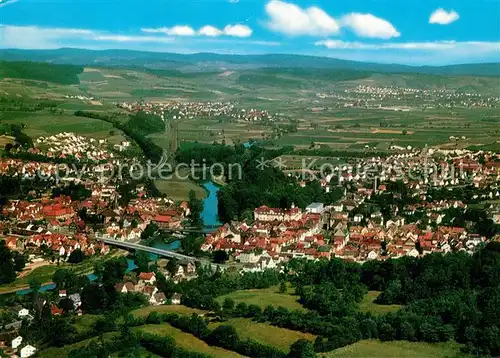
(208, 216)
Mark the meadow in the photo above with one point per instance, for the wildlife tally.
(179, 309)
(264, 333)
(178, 189)
(397, 349)
(290, 92)
(368, 305)
(187, 341)
(264, 297)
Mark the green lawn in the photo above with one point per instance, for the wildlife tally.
(186, 340)
(179, 189)
(397, 349)
(64, 351)
(85, 322)
(368, 305)
(265, 297)
(180, 309)
(43, 123)
(264, 333)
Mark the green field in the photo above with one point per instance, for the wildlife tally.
(397, 349)
(264, 333)
(85, 322)
(179, 189)
(265, 297)
(64, 351)
(186, 340)
(289, 92)
(368, 305)
(179, 309)
(43, 123)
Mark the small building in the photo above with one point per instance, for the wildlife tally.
(148, 277)
(22, 312)
(77, 300)
(358, 218)
(176, 299)
(27, 351)
(315, 208)
(16, 342)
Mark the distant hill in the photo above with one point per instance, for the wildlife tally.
(202, 62)
(40, 71)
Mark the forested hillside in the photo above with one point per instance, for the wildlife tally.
(40, 71)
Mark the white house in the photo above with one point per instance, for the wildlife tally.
(176, 299)
(23, 312)
(249, 257)
(16, 342)
(77, 301)
(413, 253)
(372, 255)
(315, 208)
(27, 351)
(358, 218)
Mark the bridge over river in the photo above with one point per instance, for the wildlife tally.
(160, 252)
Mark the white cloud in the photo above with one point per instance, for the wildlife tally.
(443, 17)
(479, 46)
(34, 37)
(209, 31)
(179, 30)
(139, 39)
(238, 30)
(292, 20)
(368, 25)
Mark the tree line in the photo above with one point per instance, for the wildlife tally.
(451, 296)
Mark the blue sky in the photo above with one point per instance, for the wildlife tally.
(390, 31)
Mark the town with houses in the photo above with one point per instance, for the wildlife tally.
(190, 110)
(379, 97)
(49, 229)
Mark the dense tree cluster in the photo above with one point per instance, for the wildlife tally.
(445, 297)
(10, 263)
(242, 194)
(224, 336)
(75, 191)
(146, 123)
(41, 71)
(195, 207)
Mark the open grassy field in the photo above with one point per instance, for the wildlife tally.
(43, 123)
(265, 297)
(368, 305)
(397, 349)
(187, 341)
(64, 351)
(281, 338)
(84, 323)
(178, 189)
(290, 92)
(180, 309)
